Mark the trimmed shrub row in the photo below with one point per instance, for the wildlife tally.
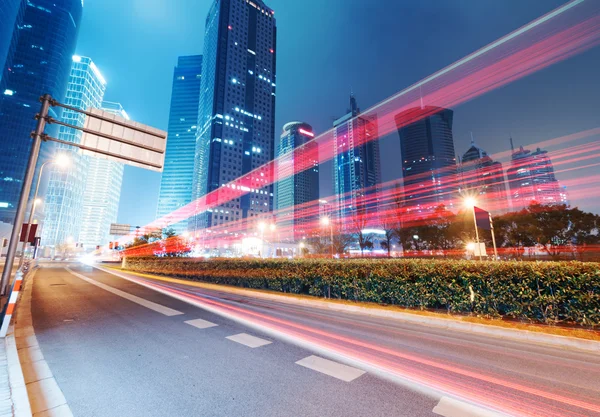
(549, 292)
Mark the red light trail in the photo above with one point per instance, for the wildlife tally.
(500, 393)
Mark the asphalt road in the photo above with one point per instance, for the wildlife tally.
(117, 355)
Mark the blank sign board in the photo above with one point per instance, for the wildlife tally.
(110, 136)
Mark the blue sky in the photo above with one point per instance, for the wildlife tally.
(325, 49)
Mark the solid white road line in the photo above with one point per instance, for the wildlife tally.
(248, 340)
(331, 368)
(201, 324)
(449, 407)
(148, 304)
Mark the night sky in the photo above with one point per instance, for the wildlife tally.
(328, 48)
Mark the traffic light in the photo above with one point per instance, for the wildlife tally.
(110, 246)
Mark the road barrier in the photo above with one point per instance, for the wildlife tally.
(12, 303)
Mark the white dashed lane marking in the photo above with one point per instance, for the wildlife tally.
(449, 407)
(331, 368)
(200, 324)
(148, 304)
(248, 340)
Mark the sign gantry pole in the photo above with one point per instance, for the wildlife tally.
(27, 181)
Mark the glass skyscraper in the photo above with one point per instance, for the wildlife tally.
(11, 16)
(178, 174)
(356, 164)
(66, 188)
(102, 193)
(531, 179)
(41, 64)
(297, 176)
(480, 175)
(428, 158)
(236, 124)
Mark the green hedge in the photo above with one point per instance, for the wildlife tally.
(549, 292)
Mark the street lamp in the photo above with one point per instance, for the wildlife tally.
(62, 161)
(326, 222)
(470, 203)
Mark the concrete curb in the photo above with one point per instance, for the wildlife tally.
(556, 341)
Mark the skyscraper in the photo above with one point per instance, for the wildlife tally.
(102, 193)
(41, 64)
(297, 181)
(356, 164)
(531, 179)
(178, 174)
(66, 187)
(428, 158)
(481, 175)
(236, 124)
(11, 16)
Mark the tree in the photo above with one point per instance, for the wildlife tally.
(390, 223)
(359, 224)
(341, 242)
(319, 244)
(556, 228)
(512, 231)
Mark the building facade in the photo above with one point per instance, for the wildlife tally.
(481, 176)
(11, 17)
(236, 124)
(178, 174)
(102, 193)
(531, 179)
(297, 182)
(41, 64)
(428, 157)
(356, 165)
(67, 185)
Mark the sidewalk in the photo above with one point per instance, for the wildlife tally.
(14, 401)
(6, 404)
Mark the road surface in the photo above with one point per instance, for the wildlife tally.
(118, 348)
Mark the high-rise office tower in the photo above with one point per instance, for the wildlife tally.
(297, 176)
(41, 64)
(236, 124)
(531, 179)
(356, 164)
(178, 174)
(102, 193)
(480, 175)
(428, 158)
(11, 16)
(66, 187)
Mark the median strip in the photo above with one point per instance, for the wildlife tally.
(148, 304)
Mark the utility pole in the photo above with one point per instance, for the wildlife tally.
(28, 180)
(477, 234)
(493, 237)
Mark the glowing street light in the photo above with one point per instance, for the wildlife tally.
(470, 202)
(62, 161)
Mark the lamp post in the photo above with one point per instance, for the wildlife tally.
(325, 221)
(470, 203)
(61, 160)
(261, 227)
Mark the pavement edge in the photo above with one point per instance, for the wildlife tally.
(43, 394)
